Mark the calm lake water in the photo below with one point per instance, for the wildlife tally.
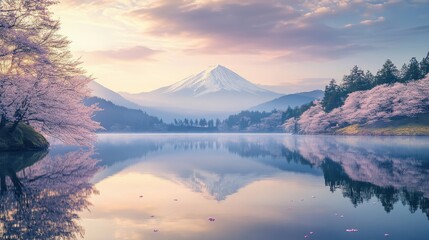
(227, 186)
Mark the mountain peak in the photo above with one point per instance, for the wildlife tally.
(215, 67)
(215, 78)
(217, 71)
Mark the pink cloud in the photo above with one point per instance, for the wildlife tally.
(123, 54)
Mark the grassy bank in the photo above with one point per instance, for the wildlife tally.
(23, 138)
(397, 127)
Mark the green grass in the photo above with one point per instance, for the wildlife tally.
(415, 126)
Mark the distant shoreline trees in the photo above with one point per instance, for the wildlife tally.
(40, 82)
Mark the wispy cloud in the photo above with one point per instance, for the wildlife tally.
(135, 53)
(251, 27)
(367, 22)
(289, 29)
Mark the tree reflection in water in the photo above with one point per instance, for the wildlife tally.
(361, 167)
(359, 192)
(41, 195)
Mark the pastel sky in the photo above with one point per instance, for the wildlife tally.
(296, 45)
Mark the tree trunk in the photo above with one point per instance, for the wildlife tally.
(3, 185)
(2, 121)
(14, 126)
(16, 182)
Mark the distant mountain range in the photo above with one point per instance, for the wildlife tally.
(216, 92)
(290, 100)
(114, 118)
(103, 92)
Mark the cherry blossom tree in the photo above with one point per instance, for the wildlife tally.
(40, 82)
(381, 103)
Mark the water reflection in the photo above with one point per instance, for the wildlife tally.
(41, 194)
(391, 169)
(255, 186)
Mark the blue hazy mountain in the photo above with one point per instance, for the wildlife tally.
(114, 118)
(290, 100)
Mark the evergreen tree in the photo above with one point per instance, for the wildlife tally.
(203, 122)
(413, 72)
(424, 65)
(333, 98)
(403, 73)
(218, 122)
(356, 81)
(388, 74)
(210, 123)
(369, 79)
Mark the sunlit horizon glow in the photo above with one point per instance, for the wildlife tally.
(137, 46)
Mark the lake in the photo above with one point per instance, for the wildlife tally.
(219, 186)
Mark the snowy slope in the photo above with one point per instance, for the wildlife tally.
(214, 79)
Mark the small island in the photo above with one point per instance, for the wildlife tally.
(23, 137)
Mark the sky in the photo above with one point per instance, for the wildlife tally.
(289, 45)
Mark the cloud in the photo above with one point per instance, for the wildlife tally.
(372, 21)
(366, 22)
(418, 29)
(134, 53)
(86, 2)
(251, 27)
(279, 29)
(322, 54)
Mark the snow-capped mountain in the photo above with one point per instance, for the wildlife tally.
(214, 79)
(215, 90)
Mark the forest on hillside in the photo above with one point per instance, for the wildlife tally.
(364, 98)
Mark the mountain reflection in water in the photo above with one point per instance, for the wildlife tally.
(390, 169)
